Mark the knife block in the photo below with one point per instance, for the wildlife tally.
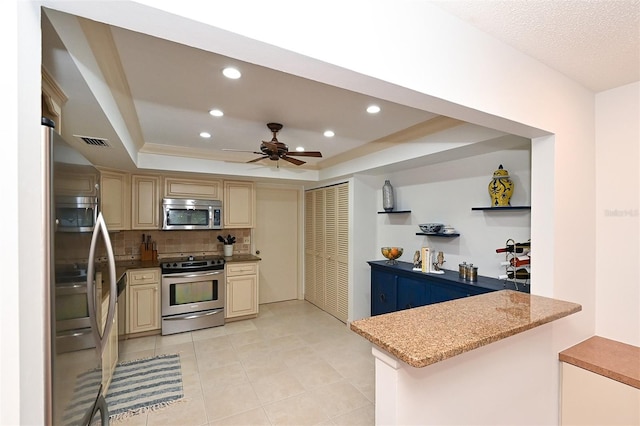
(147, 253)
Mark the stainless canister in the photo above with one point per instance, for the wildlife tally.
(467, 272)
(462, 270)
(472, 274)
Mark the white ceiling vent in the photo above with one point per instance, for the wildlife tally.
(93, 141)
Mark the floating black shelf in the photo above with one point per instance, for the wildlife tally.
(395, 212)
(438, 235)
(502, 208)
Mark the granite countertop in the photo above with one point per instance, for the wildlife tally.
(122, 266)
(451, 277)
(609, 358)
(242, 258)
(429, 334)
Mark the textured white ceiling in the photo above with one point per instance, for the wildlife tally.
(594, 42)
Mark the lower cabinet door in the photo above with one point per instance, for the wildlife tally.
(411, 293)
(242, 296)
(384, 296)
(144, 307)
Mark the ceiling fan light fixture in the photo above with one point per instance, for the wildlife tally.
(231, 73)
(216, 113)
(329, 134)
(300, 149)
(373, 109)
(205, 135)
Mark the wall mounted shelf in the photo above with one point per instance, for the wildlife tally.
(502, 208)
(438, 235)
(395, 212)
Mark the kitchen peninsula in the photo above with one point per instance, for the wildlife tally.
(462, 344)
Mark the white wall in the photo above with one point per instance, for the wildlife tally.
(447, 67)
(617, 214)
(445, 193)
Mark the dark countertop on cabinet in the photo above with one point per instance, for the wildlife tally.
(122, 266)
(406, 268)
(242, 258)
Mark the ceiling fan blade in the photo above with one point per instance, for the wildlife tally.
(258, 159)
(306, 154)
(292, 160)
(241, 150)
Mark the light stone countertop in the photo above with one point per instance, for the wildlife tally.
(428, 334)
(609, 358)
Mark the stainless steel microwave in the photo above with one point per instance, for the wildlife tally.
(183, 214)
(76, 214)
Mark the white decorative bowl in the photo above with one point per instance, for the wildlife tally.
(431, 228)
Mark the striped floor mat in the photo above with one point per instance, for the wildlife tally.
(144, 385)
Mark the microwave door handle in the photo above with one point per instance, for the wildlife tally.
(99, 339)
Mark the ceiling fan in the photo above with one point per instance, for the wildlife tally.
(276, 150)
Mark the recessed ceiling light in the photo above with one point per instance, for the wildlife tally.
(373, 109)
(216, 113)
(205, 135)
(329, 134)
(231, 73)
(300, 148)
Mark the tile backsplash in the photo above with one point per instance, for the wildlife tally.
(126, 244)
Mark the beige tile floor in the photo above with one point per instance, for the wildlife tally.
(293, 365)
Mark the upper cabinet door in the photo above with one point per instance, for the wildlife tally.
(239, 204)
(199, 189)
(114, 200)
(145, 202)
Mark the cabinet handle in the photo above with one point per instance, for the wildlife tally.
(382, 297)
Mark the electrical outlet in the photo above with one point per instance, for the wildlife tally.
(247, 240)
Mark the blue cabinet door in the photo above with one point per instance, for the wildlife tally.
(383, 292)
(411, 293)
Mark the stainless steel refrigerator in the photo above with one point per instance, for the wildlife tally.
(80, 284)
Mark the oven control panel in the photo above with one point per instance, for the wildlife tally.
(192, 265)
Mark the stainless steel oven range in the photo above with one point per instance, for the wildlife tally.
(193, 294)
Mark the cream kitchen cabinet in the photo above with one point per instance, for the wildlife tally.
(204, 189)
(76, 180)
(145, 202)
(143, 300)
(242, 290)
(239, 204)
(115, 199)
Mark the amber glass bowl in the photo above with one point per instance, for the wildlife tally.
(392, 253)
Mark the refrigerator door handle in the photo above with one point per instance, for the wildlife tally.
(101, 227)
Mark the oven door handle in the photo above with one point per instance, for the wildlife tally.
(193, 275)
(192, 316)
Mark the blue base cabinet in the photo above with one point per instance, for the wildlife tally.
(398, 287)
(411, 293)
(384, 294)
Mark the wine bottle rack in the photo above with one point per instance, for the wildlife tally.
(511, 268)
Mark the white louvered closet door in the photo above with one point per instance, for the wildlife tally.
(327, 249)
(309, 247)
(318, 244)
(342, 252)
(329, 255)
